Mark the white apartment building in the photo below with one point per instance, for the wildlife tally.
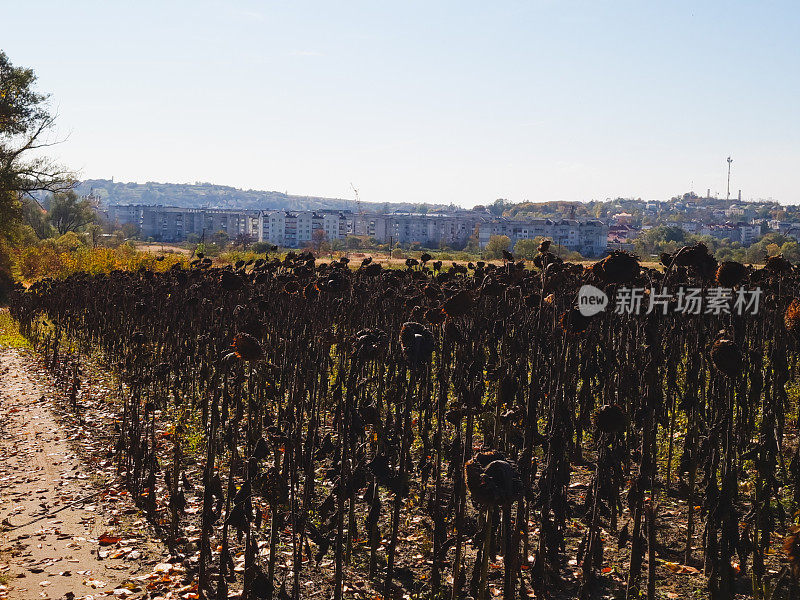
(295, 229)
(590, 238)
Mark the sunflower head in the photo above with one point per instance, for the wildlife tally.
(246, 347)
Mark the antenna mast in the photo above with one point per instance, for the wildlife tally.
(728, 196)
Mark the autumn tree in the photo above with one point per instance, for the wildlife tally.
(35, 217)
(25, 127)
(319, 240)
(95, 233)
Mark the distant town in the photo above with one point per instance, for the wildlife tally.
(589, 228)
(298, 229)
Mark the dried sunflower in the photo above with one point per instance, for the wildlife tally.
(617, 267)
(492, 479)
(610, 419)
(727, 357)
(778, 264)
(460, 304)
(792, 318)
(246, 347)
(730, 273)
(572, 321)
(417, 343)
(791, 547)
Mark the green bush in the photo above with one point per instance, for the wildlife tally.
(260, 247)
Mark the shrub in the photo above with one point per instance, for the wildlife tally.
(54, 259)
(260, 247)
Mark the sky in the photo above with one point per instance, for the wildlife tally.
(430, 101)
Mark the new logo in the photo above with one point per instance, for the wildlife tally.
(591, 300)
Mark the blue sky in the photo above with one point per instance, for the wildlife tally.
(458, 102)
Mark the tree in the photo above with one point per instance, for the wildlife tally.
(243, 240)
(131, 230)
(220, 238)
(473, 244)
(527, 249)
(661, 239)
(497, 207)
(318, 238)
(496, 245)
(34, 216)
(94, 232)
(24, 122)
(68, 212)
(116, 240)
(352, 242)
(70, 241)
(260, 247)
(791, 251)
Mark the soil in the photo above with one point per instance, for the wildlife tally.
(69, 530)
(156, 248)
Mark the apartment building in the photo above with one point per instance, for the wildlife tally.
(296, 229)
(173, 224)
(451, 229)
(744, 233)
(749, 232)
(590, 238)
(782, 226)
(124, 213)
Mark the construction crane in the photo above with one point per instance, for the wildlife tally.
(358, 199)
(359, 209)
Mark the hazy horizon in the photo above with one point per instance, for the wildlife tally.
(733, 199)
(443, 103)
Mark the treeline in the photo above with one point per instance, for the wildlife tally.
(202, 194)
(668, 239)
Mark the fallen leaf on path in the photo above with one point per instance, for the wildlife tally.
(108, 540)
(681, 569)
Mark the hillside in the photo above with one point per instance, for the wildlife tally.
(196, 195)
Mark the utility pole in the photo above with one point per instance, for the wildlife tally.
(728, 196)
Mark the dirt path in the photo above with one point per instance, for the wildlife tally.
(156, 248)
(63, 555)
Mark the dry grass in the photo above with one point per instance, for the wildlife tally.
(155, 248)
(9, 332)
